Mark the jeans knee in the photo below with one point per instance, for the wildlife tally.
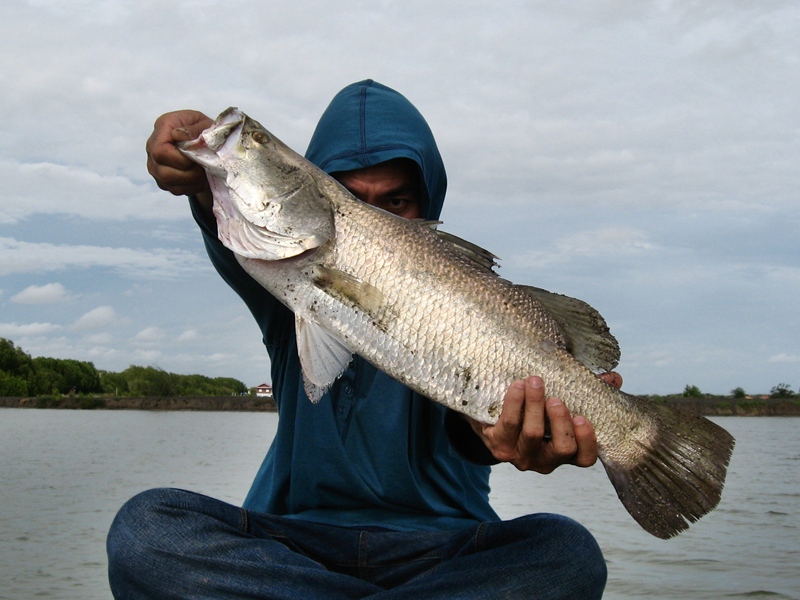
(588, 563)
(572, 553)
(135, 531)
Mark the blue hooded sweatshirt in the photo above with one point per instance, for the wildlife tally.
(371, 453)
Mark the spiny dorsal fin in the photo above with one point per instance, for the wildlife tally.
(481, 257)
(588, 337)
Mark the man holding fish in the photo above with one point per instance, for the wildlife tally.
(374, 490)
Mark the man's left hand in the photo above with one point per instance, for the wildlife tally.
(535, 433)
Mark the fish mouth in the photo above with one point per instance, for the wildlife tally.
(195, 145)
(219, 135)
(227, 128)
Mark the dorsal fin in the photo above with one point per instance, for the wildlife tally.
(480, 256)
(588, 337)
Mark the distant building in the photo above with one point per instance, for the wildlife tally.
(264, 390)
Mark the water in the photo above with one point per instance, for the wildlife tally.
(63, 475)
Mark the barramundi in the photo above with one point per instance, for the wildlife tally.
(429, 310)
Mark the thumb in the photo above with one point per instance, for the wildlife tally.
(182, 134)
(191, 130)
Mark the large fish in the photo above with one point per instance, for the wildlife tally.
(428, 309)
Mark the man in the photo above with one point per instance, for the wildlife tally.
(375, 491)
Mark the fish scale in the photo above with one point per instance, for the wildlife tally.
(427, 309)
(460, 370)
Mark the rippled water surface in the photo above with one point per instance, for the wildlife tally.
(63, 475)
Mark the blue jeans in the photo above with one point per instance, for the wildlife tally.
(168, 543)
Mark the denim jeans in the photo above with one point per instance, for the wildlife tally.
(168, 543)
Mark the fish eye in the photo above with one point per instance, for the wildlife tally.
(260, 137)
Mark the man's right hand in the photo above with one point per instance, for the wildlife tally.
(173, 171)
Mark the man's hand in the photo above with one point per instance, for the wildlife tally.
(535, 433)
(173, 171)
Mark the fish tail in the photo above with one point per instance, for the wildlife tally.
(679, 474)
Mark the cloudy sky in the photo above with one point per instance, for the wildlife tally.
(642, 156)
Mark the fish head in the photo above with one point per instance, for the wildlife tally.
(267, 200)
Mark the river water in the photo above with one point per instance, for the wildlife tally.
(63, 475)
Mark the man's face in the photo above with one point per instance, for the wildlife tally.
(394, 186)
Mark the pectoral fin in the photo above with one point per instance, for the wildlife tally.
(322, 356)
(348, 290)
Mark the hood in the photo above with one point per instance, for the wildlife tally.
(368, 123)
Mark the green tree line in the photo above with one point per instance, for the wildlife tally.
(21, 375)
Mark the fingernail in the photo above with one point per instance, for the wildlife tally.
(518, 384)
(535, 382)
(579, 421)
(554, 402)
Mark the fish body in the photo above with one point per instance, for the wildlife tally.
(427, 309)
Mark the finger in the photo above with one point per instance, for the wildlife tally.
(612, 378)
(171, 170)
(181, 125)
(191, 131)
(178, 181)
(535, 426)
(504, 434)
(182, 134)
(535, 429)
(586, 440)
(562, 446)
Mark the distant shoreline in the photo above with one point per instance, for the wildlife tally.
(208, 403)
(721, 406)
(726, 406)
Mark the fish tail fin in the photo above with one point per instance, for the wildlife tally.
(679, 473)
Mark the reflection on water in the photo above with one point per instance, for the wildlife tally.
(65, 473)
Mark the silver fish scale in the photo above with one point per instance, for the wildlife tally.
(433, 331)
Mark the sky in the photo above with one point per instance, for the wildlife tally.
(641, 156)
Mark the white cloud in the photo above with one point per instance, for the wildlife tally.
(14, 330)
(785, 357)
(103, 338)
(188, 335)
(102, 353)
(49, 293)
(219, 358)
(149, 335)
(98, 318)
(35, 257)
(605, 242)
(28, 190)
(148, 357)
(609, 243)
